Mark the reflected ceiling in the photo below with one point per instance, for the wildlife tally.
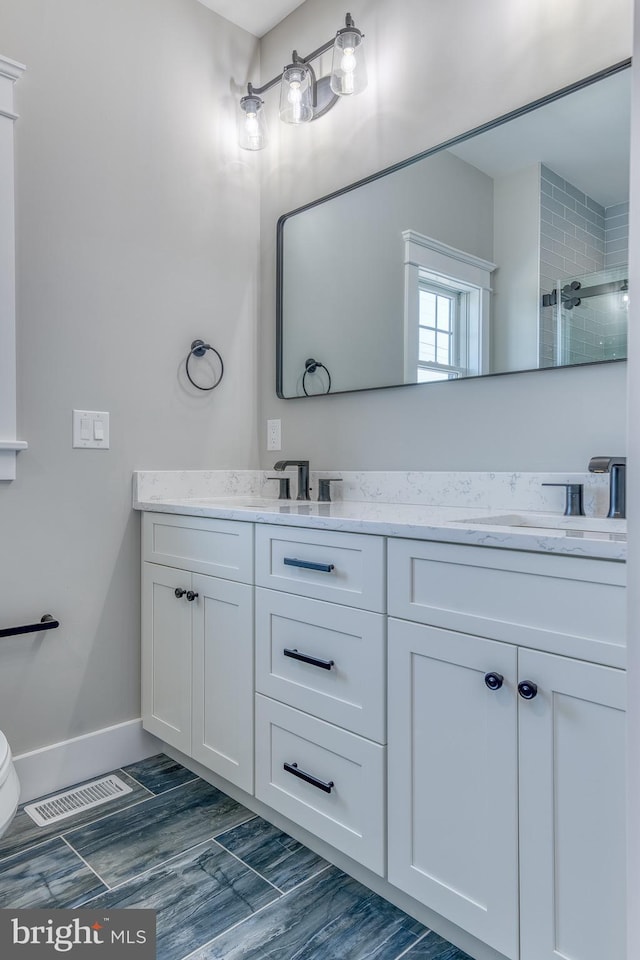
(577, 137)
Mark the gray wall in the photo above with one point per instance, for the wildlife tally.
(137, 230)
(424, 88)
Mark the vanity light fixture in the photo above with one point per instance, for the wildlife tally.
(303, 97)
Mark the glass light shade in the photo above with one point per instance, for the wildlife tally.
(349, 68)
(295, 94)
(252, 124)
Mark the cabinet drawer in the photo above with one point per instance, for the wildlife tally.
(323, 658)
(345, 803)
(340, 567)
(220, 548)
(568, 605)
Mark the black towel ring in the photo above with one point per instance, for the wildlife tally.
(310, 366)
(198, 349)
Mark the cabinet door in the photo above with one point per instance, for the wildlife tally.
(223, 678)
(166, 655)
(452, 762)
(572, 810)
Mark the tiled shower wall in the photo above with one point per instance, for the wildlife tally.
(574, 230)
(616, 235)
(616, 262)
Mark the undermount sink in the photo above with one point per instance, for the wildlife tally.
(257, 502)
(550, 521)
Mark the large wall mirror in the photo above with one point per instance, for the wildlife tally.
(503, 250)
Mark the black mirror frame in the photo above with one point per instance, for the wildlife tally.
(483, 128)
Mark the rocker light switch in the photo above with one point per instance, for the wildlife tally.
(91, 429)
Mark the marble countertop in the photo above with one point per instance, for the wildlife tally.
(488, 527)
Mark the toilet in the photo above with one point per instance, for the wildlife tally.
(9, 785)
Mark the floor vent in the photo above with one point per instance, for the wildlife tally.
(75, 801)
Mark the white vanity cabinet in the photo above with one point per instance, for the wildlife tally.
(320, 682)
(450, 716)
(506, 814)
(197, 640)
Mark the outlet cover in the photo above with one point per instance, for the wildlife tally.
(274, 435)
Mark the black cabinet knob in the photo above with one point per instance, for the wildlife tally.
(494, 680)
(528, 689)
(179, 592)
(191, 595)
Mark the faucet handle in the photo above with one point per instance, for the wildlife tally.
(324, 488)
(574, 503)
(284, 491)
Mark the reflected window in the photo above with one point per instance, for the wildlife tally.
(440, 333)
(446, 311)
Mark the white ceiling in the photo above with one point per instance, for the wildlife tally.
(256, 16)
(584, 138)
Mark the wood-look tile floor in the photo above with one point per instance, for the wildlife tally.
(226, 884)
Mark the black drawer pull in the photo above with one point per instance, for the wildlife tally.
(314, 661)
(309, 565)
(309, 778)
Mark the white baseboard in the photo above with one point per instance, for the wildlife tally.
(64, 764)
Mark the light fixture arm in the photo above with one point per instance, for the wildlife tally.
(251, 90)
(295, 58)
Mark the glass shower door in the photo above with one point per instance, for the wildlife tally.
(591, 317)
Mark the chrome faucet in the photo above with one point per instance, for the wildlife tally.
(303, 475)
(617, 467)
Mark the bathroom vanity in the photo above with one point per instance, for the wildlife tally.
(437, 697)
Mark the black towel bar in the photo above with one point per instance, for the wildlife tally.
(46, 623)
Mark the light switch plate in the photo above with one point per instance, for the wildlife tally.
(89, 424)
